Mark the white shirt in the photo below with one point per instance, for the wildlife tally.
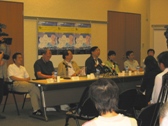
(119, 120)
(157, 86)
(16, 71)
(70, 69)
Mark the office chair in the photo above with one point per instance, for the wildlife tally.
(146, 114)
(85, 110)
(10, 90)
(126, 102)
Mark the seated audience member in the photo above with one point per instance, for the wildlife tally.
(43, 67)
(18, 74)
(163, 64)
(93, 61)
(105, 93)
(150, 52)
(111, 63)
(163, 120)
(130, 62)
(68, 67)
(151, 70)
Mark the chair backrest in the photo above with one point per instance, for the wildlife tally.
(86, 107)
(127, 99)
(147, 113)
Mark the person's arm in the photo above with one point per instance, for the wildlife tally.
(19, 79)
(76, 68)
(1, 58)
(156, 89)
(40, 75)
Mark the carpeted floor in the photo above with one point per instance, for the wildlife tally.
(12, 119)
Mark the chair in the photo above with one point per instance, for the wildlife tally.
(85, 110)
(10, 90)
(126, 102)
(146, 114)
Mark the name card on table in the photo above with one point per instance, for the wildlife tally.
(75, 78)
(50, 80)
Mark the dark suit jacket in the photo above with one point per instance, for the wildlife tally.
(90, 65)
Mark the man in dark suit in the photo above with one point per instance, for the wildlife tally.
(93, 61)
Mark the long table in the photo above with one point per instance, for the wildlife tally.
(69, 91)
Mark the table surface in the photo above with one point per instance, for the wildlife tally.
(82, 79)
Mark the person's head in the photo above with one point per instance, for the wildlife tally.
(151, 63)
(67, 55)
(104, 93)
(151, 52)
(95, 51)
(17, 58)
(130, 55)
(163, 120)
(111, 55)
(1, 38)
(53, 38)
(163, 60)
(46, 54)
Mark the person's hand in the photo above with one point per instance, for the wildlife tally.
(1, 55)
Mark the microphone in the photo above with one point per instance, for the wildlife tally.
(66, 65)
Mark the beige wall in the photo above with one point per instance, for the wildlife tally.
(82, 10)
(158, 16)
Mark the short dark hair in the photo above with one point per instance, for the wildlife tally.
(15, 55)
(44, 51)
(151, 50)
(128, 53)
(151, 64)
(111, 52)
(104, 93)
(65, 53)
(93, 49)
(163, 58)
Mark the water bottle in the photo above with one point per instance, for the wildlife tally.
(54, 75)
(97, 73)
(137, 68)
(126, 69)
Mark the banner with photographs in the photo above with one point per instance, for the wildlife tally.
(60, 36)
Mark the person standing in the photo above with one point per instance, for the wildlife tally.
(5, 54)
(163, 64)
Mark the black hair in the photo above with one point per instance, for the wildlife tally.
(111, 52)
(104, 93)
(163, 58)
(15, 56)
(44, 51)
(151, 50)
(128, 53)
(151, 64)
(65, 53)
(93, 49)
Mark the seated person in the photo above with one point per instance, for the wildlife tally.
(93, 61)
(151, 70)
(104, 93)
(130, 62)
(43, 67)
(163, 64)
(18, 74)
(68, 67)
(111, 63)
(163, 120)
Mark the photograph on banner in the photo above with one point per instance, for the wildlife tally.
(60, 36)
(82, 38)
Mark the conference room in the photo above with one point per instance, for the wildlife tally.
(150, 27)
